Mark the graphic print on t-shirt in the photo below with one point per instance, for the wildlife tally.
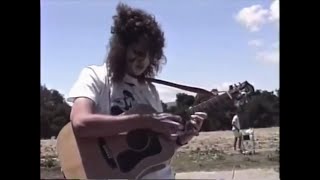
(123, 103)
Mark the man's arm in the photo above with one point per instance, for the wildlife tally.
(235, 127)
(84, 95)
(88, 124)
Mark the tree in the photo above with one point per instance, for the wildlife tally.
(54, 112)
(184, 100)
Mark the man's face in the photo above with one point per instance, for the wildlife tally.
(137, 58)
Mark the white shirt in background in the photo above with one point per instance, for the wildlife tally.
(235, 122)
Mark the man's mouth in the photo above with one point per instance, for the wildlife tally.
(139, 67)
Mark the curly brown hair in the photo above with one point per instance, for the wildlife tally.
(130, 24)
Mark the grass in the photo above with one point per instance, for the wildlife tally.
(208, 160)
(212, 160)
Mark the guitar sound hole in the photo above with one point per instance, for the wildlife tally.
(128, 159)
(138, 139)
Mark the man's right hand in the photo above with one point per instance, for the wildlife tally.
(166, 124)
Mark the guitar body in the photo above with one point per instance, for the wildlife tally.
(125, 156)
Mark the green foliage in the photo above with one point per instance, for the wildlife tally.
(184, 100)
(54, 112)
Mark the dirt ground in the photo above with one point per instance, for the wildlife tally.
(210, 154)
(244, 174)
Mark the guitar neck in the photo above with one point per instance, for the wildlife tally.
(210, 104)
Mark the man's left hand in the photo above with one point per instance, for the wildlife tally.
(197, 121)
(193, 127)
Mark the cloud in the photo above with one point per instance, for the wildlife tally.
(255, 43)
(255, 16)
(270, 57)
(269, 54)
(252, 17)
(274, 11)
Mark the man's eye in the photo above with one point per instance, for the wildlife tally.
(138, 53)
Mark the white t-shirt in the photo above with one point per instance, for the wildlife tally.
(235, 122)
(115, 98)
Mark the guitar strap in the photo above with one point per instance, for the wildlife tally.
(179, 86)
(175, 85)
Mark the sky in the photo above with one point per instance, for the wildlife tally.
(209, 43)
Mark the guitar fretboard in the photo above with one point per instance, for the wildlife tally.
(209, 104)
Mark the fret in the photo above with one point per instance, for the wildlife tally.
(209, 104)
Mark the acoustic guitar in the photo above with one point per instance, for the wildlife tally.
(128, 155)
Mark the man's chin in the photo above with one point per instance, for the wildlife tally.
(138, 73)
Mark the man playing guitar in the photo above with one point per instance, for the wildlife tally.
(102, 92)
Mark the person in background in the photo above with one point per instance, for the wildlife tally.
(236, 131)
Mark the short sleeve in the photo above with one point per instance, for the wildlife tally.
(157, 97)
(87, 85)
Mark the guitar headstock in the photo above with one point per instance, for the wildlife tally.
(241, 92)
